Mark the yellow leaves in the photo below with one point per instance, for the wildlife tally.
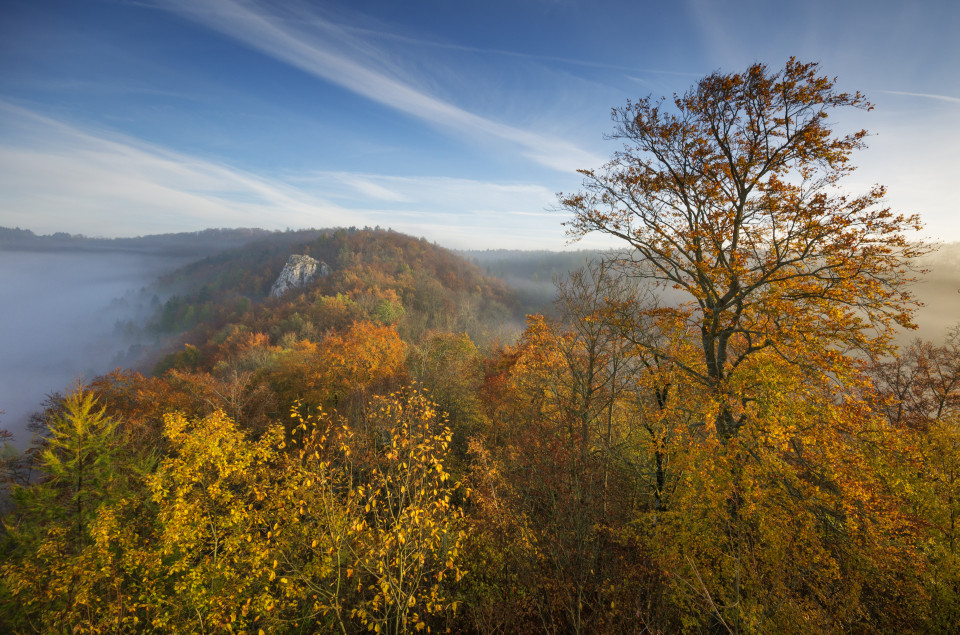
(212, 496)
(251, 537)
(397, 538)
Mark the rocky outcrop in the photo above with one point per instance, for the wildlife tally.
(298, 273)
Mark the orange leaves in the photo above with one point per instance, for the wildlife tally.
(729, 199)
(343, 365)
(362, 356)
(728, 195)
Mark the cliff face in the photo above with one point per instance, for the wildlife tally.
(297, 273)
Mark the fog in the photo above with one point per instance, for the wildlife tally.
(939, 291)
(64, 316)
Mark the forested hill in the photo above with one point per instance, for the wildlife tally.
(375, 274)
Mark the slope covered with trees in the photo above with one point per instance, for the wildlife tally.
(371, 454)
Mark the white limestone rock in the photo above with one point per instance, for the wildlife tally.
(297, 273)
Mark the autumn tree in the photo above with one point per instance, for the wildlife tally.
(56, 573)
(411, 534)
(731, 196)
(368, 531)
(919, 391)
(212, 566)
(921, 384)
(450, 367)
(566, 430)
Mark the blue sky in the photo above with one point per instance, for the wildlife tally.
(454, 120)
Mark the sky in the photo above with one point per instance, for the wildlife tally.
(457, 120)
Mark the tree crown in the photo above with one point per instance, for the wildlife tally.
(732, 196)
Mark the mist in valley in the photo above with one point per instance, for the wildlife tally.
(69, 315)
(939, 291)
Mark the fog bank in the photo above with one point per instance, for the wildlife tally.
(64, 316)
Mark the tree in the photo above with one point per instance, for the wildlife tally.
(922, 383)
(920, 394)
(212, 565)
(369, 530)
(54, 572)
(411, 533)
(77, 462)
(731, 195)
(732, 198)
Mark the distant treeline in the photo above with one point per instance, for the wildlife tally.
(179, 244)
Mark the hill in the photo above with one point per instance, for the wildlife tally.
(387, 276)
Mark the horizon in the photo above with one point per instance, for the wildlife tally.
(288, 230)
(565, 247)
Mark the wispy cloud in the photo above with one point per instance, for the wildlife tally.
(75, 180)
(467, 213)
(307, 41)
(55, 176)
(954, 100)
(458, 195)
(516, 54)
(365, 186)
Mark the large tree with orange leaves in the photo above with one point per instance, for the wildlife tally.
(730, 193)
